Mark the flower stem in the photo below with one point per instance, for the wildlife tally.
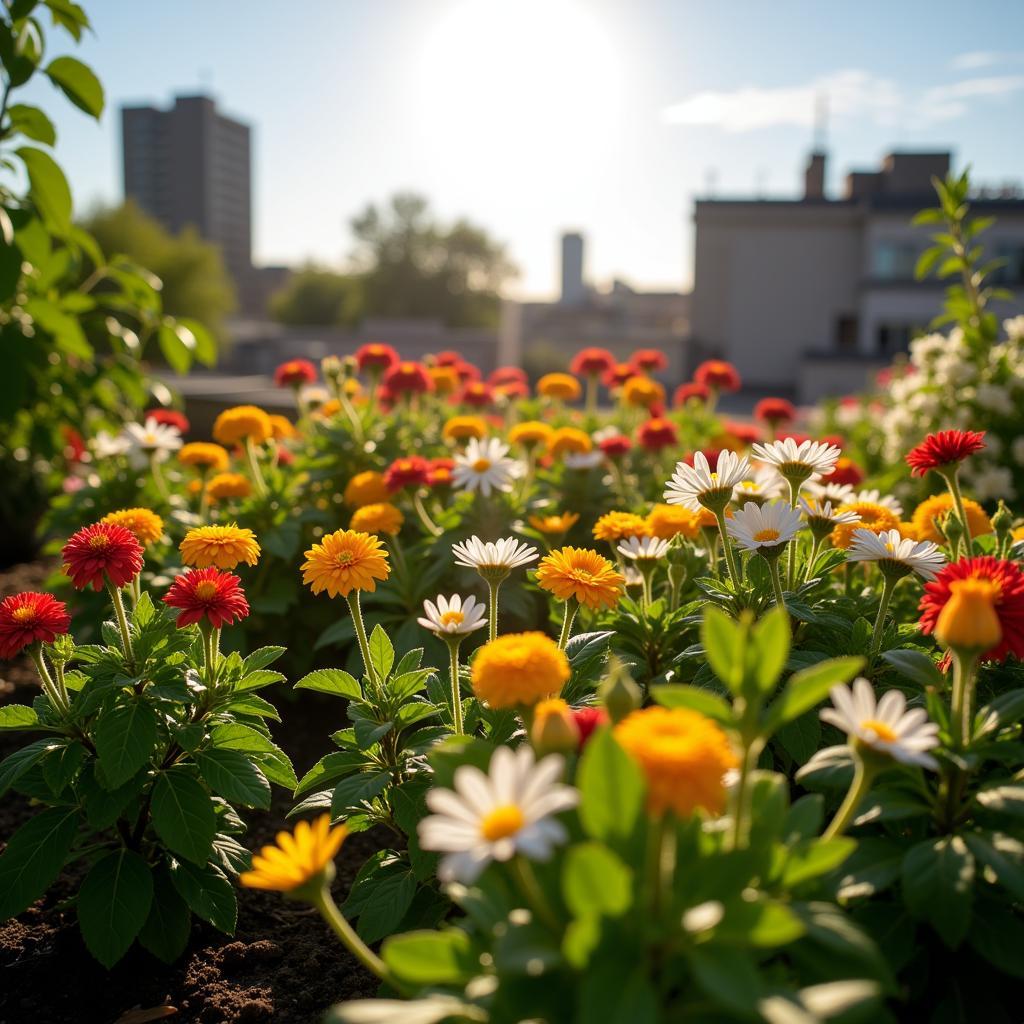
(364, 645)
(730, 555)
(742, 798)
(122, 621)
(964, 668)
(453, 654)
(329, 911)
(773, 571)
(428, 524)
(572, 606)
(883, 607)
(492, 609)
(59, 700)
(525, 878)
(812, 558)
(863, 776)
(254, 467)
(953, 483)
(661, 861)
(794, 491)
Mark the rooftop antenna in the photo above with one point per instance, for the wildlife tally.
(820, 135)
(710, 181)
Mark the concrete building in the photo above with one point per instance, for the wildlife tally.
(810, 296)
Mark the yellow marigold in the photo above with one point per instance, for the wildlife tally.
(382, 517)
(300, 857)
(205, 455)
(144, 523)
(874, 517)
(330, 408)
(1018, 533)
(582, 574)
(684, 756)
(241, 422)
(930, 513)
(569, 441)
(228, 485)
(519, 669)
(446, 379)
(706, 518)
(562, 386)
(616, 525)
(555, 523)
(668, 521)
(222, 546)
(530, 433)
(283, 428)
(345, 561)
(352, 387)
(461, 428)
(366, 488)
(644, 391)
(908, 531)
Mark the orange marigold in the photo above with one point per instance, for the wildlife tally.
(519, 669)
(345, 561)
(582, 574)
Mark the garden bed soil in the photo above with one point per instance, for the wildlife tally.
(281, 965)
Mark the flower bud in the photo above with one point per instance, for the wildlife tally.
(968, 621)
(350, 366)
(617, 691)
(953, 529)
(1002, 522)
(330, 366)
(554, 729)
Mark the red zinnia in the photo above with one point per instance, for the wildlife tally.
(208, 593)
(408, 377)
(449, 358)
(375, 355)
(946, 448)
(406, 472)
(513, 389)
(846, 471)
(74, 444)
(774, 410)
(440, 472)
(477, 394)
(617, 375)
(745, 433)
(616, 446)
(587, 720)
(102, 549)
(718, 374)
(685, 392)
(656, 434)
(467, 372)
(589, 362)
(30, 618)
(508, 375)
(1008, 579)
(648, 359)
(168, 418)
(295, 373)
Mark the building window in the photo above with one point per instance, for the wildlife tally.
(893, 338)
(846, 333)
(1012, 256)
(894, 261)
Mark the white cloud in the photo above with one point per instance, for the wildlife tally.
(983, 59)
(944, 102)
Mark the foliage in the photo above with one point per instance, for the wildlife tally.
(318, 296)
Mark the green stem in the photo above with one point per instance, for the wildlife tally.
(59, 701)
(453, 654)
(963, 693)
(525, 878)
(346, 933)
(364, 645)
(572, 606)
(492, 609)
(742, 798)
(122, 621)
(591, 403)
(158, 477)
(773, 571)
(661, 861)
(950, 476)
(730, 555)
(863, 776)
(883, 607)
(815, 548)
(794, 492)
(254, 467)
(428, 524)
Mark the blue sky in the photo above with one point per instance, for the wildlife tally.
(532, 116)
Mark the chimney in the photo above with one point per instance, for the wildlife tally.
(574, 291)
(814, 177)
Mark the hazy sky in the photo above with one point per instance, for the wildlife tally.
(532, 116)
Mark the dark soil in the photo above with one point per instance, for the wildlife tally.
(282, 964)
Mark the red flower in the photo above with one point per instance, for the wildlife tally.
(208, 593)
(375, 355)
(467, 372)
(508, 375)
(587, 720)
(946, 448)
(439, 473)
(711, 454)
(102, 549)
(294, 373)
(1008, 578)
(656, 434)
(617, 375)
(589, 362)
(410, 471)
(648, 359)
(717, 374)
(449, 358)
(745, 433)
(616, 446)
(685, 392)
(74, 444)
(285, 456)
(409, 378)
(846, 471)
(774, 410)
(477, 394)
(30, 618)
(513, 389)
(169, 418)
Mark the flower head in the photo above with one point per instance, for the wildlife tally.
(614, 446)
(300, 857)
(657, 433)
(774, 411)
(567, 441)
(30, 618)
(885, 500)
(102, 550)
(439, 473)
(616, 376)
(759, 527)
(969, 620)
(462, 428)
(698, 486)
(717, 374)
(551, 523)
(562, 386)
(168, 418)
(493, 558)
(283, 429)
(588, 719)
(690, 392)
(928, 517)
(684, 756)
(366, 488)
(648, 360)
(643, 549)
(453, 616)
(220, 546)
(409, 471)
(379, 518)
(494, 816)
(504, 375)
(207, 594)
(613, 526)
(822, 518)
(798, 462)
(886, 726)
(345, 561)
(945, 449)
(846, 471)
(581, 574)
(894, 554)
(295, 373)
(519, 669)
(204, 455)
(476, 393)
(870, 516)
(151, 440)
(444, 379)
(241, 423)
(668, 521)
(643, 391)
(763, 483)
(530, 433)
(228, 485)
(375, 356)
(591, 362)
(147, 526)
(408, 378)
(484, 466)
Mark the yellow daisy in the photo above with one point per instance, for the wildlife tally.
(146, 525)
(617, 525)
(222, 546)
(582, 574)
(298, 858)
(930, 513)
(345, 561)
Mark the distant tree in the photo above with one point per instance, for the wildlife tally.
(320, 296)
(411, 265)
(195, 281)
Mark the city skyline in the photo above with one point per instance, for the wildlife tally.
(536, 118)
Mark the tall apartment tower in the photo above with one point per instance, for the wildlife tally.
(192, 165)
(574, 289)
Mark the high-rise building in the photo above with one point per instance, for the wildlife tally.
(192, 165)
(574, 289)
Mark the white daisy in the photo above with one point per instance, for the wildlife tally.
(896, 555)
(453, 616)
(643, 549)
(108, 446)
(506, 554)
(583, 460)
(496, 816)
(484, 466)
(839, 494)
(798, 461)
(764, 526)
(819, 511)
(886, 726)
(885, 500)
(151, 440)
(763, 483)
(697, 487)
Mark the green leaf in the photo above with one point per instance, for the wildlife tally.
(125, 736)
(15, 765)
(938, 879)
(113, 904)
(721, 639)
(66, 331)
(78, 83)
(60, 767)
(17, 716)
(230, 774)
(183, 815)
(811, 858)
(916, 666)
(801, 737)
(771, 637)
(382, 653)
(1004, 710)
(261, 658)
(806, 688)
(696, 699)
(48, 189)
(596, 881)
(166, 931)
(612, 791)
(351, 793)
(1004, 857)
(997, 934)
(174, 349)
(203, 345)
(331, 680)
(430, 958)
(32, 123)
(33, 858)
(728, 976)
(208, 892)
(381, 896)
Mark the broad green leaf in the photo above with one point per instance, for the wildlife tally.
(61, 766)
(811, 858)
(938, 879)
(183, 815)
(113, 904)
(430, 958)
(166, 930)
(771, 637)
(728, 976)
(1003, 799)
(125, 736)
(66, 330)
(32, 123)
(77, 81)
(1004, 857)
(806, 688)
(596, 881)
(33, 858)
(261, 658)
(696, 699)
(1004, 710)
(17, 716)
(917, 667)
(15, 765)
(208, 892)
(203, 345)
(721, 638)
(801, 737)
(382, 653)
(997, 933)
(331, 680)
(230, 774)
(351, 793)
(48, 189)
(612, 791)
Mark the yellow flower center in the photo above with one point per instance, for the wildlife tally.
(344, 559)
(763, 535)
(24, 614)
(502, 822)
(206, 590)
(880, 729)
(99, 540)
(481, 465)
(450, 618)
